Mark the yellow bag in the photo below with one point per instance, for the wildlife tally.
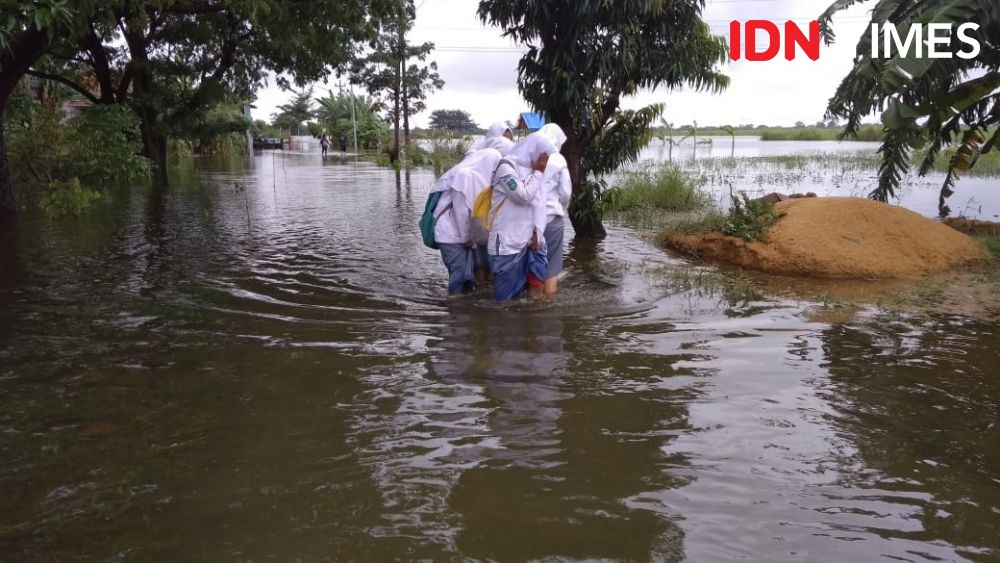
(483, 215)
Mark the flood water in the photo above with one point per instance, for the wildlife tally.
(178, 384)
(827, 168)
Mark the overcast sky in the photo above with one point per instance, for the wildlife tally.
(479, 68)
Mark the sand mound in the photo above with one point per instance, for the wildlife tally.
(841, 238)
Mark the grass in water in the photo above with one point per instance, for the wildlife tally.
(664, 188)
(865, 133)
(992, 243)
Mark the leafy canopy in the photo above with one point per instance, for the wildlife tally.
(452, 120)
(924, 102)
(335, 114)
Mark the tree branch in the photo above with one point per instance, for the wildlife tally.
(63, 80)
(15, 61)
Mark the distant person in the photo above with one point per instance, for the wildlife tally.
(550, 214)
(324, 143)
(343, 143)
(453, 231)
(516, 247)
(498, 137)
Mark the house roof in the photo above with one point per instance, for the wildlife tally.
(532, 121)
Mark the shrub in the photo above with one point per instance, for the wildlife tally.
(95, 150)
(67, 199)
(749, 219)
(103, 147)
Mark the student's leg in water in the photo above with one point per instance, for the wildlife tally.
(509, 276)
(537, 272)
(458, 259)
(536, 287)
(554, 231)
(482, 266)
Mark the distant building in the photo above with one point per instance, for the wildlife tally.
(530, 122)
(74, 108)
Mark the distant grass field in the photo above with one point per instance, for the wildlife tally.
(866, 133)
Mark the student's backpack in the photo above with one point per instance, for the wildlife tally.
(428, 221)
(483, 214)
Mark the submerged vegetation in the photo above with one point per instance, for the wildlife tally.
(666, 197)
(666, 188)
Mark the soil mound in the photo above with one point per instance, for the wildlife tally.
(840, 238)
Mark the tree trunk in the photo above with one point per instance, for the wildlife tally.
(406, 111)
(394, 154)
(406, 97)
(582, 212)
(15, 61)
(8, 209)
(154, 140)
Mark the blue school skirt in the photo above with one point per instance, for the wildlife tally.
(554, 231)
(459, 260)
(510, 273)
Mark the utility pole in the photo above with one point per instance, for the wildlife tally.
(354, 118)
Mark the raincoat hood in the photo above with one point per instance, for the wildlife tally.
(481, 163)
(525, 153)
(497, 130)
(553, 133)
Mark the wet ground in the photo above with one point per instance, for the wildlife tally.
(180, 383)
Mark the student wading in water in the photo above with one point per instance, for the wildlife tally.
(453, 232)
(516, 248)
(551, 206)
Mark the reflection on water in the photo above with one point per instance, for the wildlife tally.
(179, 383)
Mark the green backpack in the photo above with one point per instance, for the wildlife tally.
(429, 220)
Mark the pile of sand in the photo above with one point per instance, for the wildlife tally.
(840, 238)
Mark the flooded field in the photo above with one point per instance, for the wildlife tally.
(277, 374)
(822, 167)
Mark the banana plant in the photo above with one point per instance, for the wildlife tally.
(926, 103)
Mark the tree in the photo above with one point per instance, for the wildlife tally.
(335, 115)
(732, 135)
(799, 124)
(26, 32)
(296, 112)
(385, 72)
(170, 60)
(584, 57)
(453, 120)
(930, 103)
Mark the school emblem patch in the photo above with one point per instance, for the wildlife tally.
(512, 184)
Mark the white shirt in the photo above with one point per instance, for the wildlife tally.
(453, 225)
(514, 223)
(558, 187)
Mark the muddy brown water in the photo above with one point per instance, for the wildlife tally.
(176, 386)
